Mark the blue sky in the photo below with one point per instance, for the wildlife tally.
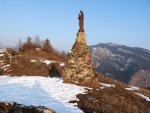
(124, 22)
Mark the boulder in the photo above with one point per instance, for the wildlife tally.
(13, 107)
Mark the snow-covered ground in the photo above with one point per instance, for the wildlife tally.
(40, 91)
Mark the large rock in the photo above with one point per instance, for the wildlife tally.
(79, 68)
(12, 107)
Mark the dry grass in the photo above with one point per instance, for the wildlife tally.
(39, 54)
(112, 100)
(108, 80)
(20, 62)
(22, 65)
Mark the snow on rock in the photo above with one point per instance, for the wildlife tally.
(38, 49)
(44, 61)
(108, 74)
(3, 50)
(125, 51)
(101, 87)
(33, 60)
(113, 44)
(1, 61)
(1, 55)
(132, 88)
(106, 85)
(70, 51)
(5, 66)
(121, 69)
(40, 91)
(143, 96)
(62, 64)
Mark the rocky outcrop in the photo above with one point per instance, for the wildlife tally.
(12, 107)
(79, 68)
(6, 55)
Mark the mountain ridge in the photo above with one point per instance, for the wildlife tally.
(119, 61)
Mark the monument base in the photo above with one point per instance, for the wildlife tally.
(81, 37)
(79, 67)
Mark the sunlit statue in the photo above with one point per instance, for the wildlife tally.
(81, 22)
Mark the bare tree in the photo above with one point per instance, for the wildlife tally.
(20, 45)
(37, 42)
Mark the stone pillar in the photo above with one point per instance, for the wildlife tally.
(79, 68)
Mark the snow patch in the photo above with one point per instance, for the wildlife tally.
(3, 50)
(132, 88)
(121, 69)
(101, 87)
(40, 91)
(33, 60)
(106, 85)
(108, 74)
(1, 55)
(8, 65)
(70, 51)
(113, 44)
(142, 71)
(125, 51)
(47, 61)
(37, 49)
(143, 96)
(62, 64)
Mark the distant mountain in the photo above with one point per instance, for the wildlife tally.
(119, 61)
(7, 46)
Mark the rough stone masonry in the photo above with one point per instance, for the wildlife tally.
(78, 66)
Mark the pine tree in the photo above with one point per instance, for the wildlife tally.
(47, 47)
(28, 44)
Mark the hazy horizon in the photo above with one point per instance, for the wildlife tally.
(123, 22)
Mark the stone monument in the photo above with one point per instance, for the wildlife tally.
(78, 66)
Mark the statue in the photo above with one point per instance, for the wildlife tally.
(81, 22)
